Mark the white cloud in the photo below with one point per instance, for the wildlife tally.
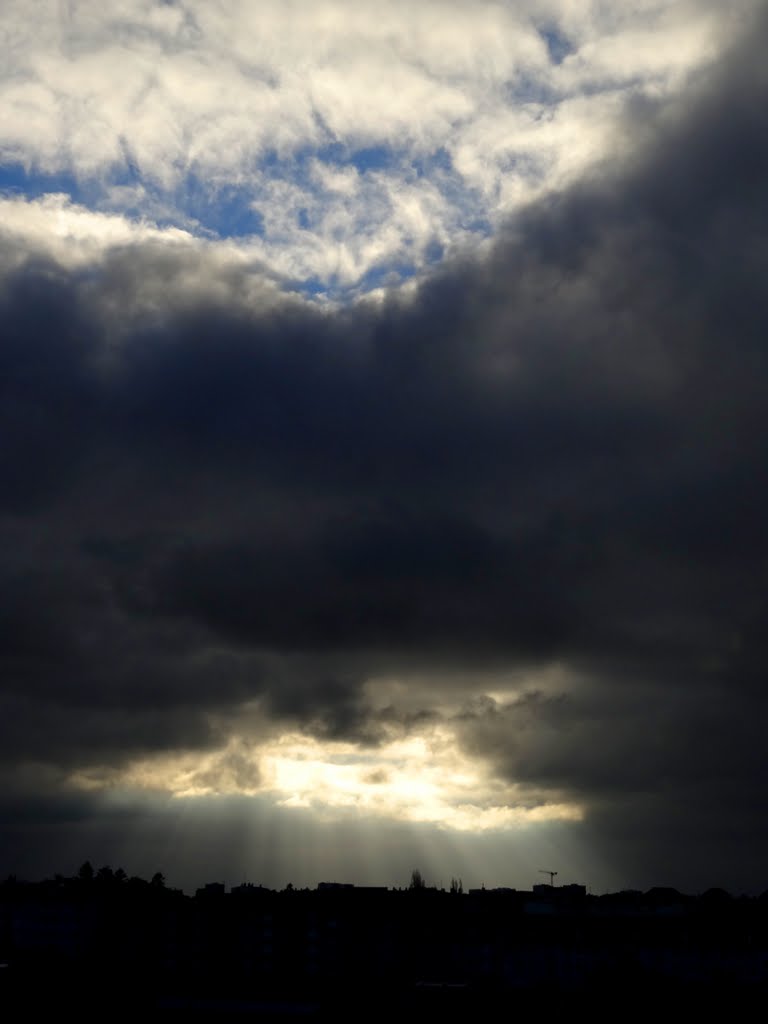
(73, 234)
(215, 88)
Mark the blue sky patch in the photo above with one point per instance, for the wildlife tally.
(16, 179)
(559, 46)
(227, 211)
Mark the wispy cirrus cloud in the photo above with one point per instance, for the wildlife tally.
(240, 120)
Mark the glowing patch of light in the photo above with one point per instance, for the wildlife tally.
(420, 778)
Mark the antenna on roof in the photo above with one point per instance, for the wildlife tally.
(551, 875)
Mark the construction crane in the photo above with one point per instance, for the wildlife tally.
(551, 875)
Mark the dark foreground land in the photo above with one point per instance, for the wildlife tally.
(119, 949)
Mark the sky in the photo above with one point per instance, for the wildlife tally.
(384, 441)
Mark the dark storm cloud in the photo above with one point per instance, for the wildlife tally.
(555, 453)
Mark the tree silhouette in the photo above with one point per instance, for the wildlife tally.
(417, 880)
